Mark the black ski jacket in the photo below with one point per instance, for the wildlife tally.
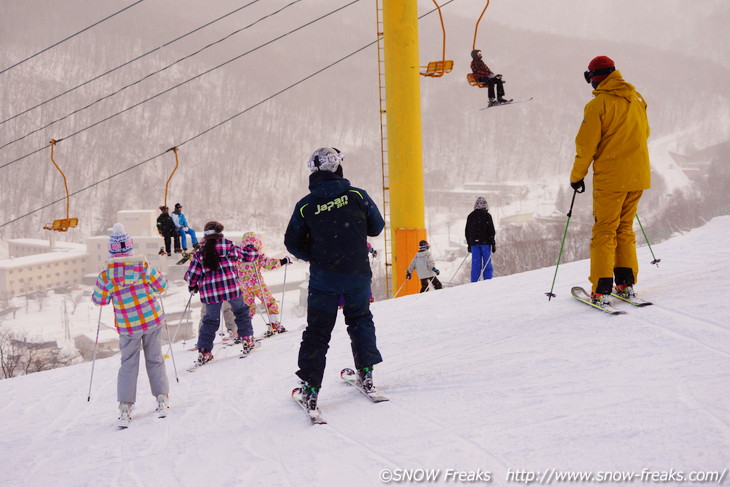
(480, 228)
(330, 226)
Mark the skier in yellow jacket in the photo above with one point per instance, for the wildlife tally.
(613, 137)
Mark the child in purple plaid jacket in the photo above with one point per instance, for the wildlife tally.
(213, 271)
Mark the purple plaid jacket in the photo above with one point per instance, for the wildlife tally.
(221, 284)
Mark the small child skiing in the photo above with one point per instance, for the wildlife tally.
(253, 285)
(213, 271)
(424, 264)
(129, 283)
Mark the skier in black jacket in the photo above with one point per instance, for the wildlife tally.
(166, 228)
(329, 229)
(480, 241)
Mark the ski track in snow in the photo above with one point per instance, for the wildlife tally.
(487, 376)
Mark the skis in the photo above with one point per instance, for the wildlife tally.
(315, 415)
(350, 377)
(581, 295)
(633, 300)
(511, 102)
(185, 257)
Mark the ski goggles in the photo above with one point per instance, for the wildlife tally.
(597, 72)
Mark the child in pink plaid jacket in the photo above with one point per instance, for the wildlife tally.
(129, 283)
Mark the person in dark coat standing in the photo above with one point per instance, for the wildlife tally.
(329, 229)
(167, 229)
(480, 240)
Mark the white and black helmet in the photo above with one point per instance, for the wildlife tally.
(325, 159)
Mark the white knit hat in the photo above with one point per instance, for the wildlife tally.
(120, 243)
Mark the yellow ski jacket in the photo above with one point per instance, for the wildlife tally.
(613, 137)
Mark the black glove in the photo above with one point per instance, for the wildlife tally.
(436, 271)
(579, 187)
(285, 261)
(374, 252)
(468, 248)
(193, 289)
(494, 247)
(408, 275)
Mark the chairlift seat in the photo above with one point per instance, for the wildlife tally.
(436, 69)
(61, 225)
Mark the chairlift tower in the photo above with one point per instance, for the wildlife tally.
(403, 170)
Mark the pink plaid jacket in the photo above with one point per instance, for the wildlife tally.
(222, 284)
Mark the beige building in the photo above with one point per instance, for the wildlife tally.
(39, 265)
(49, 267)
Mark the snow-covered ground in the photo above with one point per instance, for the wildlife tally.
(489, 379)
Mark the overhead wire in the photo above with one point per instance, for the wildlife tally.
(182, 83)
(209, 129)
(127, 63)
(70, 37)
(140, 80)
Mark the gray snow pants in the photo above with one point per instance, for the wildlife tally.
(129, 346)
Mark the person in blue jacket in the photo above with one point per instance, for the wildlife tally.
(329, 229)
(181, 223)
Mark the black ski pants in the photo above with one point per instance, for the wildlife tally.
(169, 238)
(434, 282)
(491, 83)
(321, 316)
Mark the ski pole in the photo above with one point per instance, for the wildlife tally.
(261, 290)
(179, 325)
(399, 289)
(283, 288)
(457, 269)
(655, 261)
(172, 355)
(481, 274)
(93, 360)
(550, 294)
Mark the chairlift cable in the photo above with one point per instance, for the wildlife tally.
(182, 83)
(69, 37)
(128, 62)
(109, 95)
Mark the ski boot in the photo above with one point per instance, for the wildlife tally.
(502, 101)
(365, 378)
(600, 299)
(310, 395)
(125, 414)
(162, 251)
(204, 356)
(492, 102)
(248, 342)
(626, 291)
(162, 406)
(274, 328)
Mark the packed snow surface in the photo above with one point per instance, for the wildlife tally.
(490, 379)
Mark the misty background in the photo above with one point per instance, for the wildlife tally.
(249, 171)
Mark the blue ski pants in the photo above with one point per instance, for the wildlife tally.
(481, 258)
(212, 320)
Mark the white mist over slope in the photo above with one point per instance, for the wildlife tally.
(672, 51)
(487, 376)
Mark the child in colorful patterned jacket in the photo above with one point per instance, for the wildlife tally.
(253, 285)
(129, 283)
